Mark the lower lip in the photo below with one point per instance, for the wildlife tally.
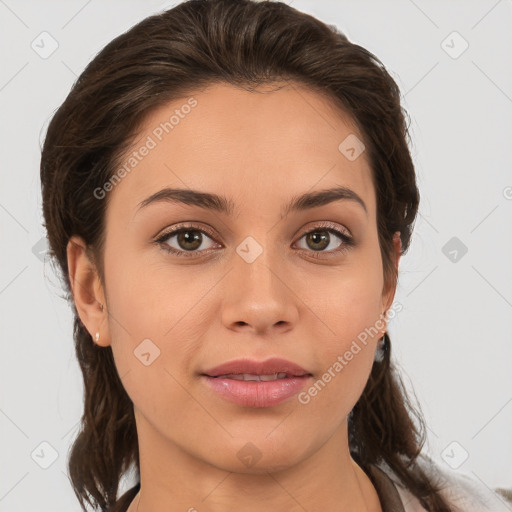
(257, 393)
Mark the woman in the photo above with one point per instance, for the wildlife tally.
(228, 191)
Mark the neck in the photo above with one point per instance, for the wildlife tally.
(174, 480)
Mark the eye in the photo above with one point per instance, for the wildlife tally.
(187, 240)
(321, 238)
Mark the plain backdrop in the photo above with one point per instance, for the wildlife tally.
(452, 340)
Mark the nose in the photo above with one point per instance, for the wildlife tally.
(259, 295)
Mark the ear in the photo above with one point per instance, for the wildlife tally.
(389, 288)
(87, 290)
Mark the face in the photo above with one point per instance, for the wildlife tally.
(254, 280)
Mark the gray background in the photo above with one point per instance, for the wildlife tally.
(452, 339)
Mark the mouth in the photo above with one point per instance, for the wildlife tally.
(252, 383)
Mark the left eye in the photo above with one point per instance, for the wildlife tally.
(320, 239)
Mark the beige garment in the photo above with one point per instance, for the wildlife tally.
(464, 492)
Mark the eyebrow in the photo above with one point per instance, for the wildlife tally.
(224, 205)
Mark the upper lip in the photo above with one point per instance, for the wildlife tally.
(267, 367)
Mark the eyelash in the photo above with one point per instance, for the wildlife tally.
(347, 241)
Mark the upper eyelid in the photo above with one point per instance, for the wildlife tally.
(327, 225)
(173, 231)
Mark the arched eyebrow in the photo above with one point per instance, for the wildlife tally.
(323, 197)
(222, 204)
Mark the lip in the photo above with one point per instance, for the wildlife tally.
(267, 367)
(257, 393)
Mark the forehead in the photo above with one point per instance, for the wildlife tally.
(280, 140)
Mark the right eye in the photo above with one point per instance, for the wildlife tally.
(188, 240)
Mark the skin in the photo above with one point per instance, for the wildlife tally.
(208, 309)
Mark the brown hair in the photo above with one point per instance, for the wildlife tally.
(164, 57)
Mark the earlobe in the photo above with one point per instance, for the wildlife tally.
(87, 291)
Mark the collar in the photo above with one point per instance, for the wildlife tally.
(390, 500)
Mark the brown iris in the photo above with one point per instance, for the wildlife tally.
(318, 237)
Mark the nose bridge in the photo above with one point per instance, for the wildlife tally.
(257, 293)
(257, 266)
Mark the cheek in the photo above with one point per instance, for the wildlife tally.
(156, 322)
(348, 305)
(346, 362)
(146, 299)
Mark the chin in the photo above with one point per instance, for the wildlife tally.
(263, 466)
(259, 454)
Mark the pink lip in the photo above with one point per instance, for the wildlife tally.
(273, 365)
(257, 393)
